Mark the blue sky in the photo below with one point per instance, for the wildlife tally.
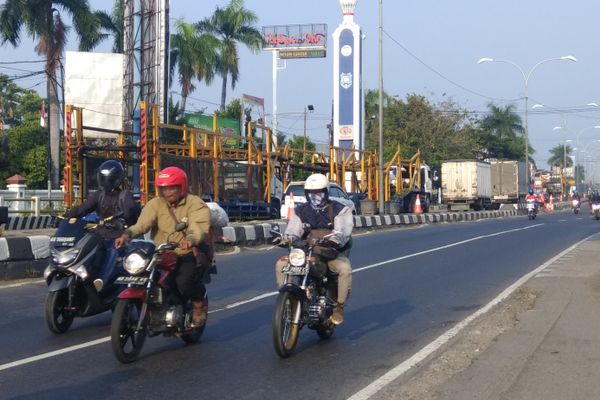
(430, 48)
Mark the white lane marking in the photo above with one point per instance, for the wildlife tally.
(19, 284)
(443, 247)
(253, 299)
(368, 391)
(53, 353)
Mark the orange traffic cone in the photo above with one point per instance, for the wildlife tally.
(418, 209)
(291, 206)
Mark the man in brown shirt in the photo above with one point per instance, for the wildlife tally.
(160, 215)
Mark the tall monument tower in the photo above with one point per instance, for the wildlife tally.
(347, 77)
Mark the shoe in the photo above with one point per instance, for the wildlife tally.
(199, 313)
(337, 316)
(98, 284)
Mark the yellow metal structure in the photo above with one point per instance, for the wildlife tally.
(353, 169)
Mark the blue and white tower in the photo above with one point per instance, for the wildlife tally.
(347, 76)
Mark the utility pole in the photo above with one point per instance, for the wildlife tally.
(380, 171)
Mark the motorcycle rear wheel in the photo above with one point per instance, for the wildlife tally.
(123, 330)
(57, 319)
(285, 332)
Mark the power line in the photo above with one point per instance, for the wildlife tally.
(441, 75)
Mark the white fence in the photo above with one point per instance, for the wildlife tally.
(31, 202)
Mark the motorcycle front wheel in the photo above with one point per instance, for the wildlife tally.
(126, 341)
(285, 332)
(58, 319)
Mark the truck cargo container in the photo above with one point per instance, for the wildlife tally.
(509, 181)
(466, 184)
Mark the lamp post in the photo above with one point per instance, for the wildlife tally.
(526, 77)
(306, 110)
(577, 144)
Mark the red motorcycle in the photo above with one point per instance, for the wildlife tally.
(151, 304)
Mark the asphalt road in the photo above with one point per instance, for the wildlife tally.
(410, 286)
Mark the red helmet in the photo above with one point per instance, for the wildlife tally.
(173, 176)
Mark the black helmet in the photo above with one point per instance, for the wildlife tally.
(530, 191)
(110, 175)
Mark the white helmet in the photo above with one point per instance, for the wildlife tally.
(316, 182)
(316, 190)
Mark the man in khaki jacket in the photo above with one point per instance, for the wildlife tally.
(160, 215)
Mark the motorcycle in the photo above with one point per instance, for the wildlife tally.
(596, 210)
(307, 296)
(576, 206)
(75, 249)
(531, 209)
(151, 305)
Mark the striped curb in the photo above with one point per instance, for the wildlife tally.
(29, 222)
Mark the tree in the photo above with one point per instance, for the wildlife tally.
(231, 25)
(10, 98)
(25, 143)
(194, 56)
(297, 143)
(557, 156)
(43, 21)
(440, 132)
(504, 133)
(114, 24)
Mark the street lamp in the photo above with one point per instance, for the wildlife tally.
(306, 110)
(526, 81)
(577, 143)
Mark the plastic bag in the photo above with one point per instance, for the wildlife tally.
(218, 216)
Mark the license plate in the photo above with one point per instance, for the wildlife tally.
(131, 280)
(291, 270)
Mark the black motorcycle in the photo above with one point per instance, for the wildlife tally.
(76, 251)
(307, 296)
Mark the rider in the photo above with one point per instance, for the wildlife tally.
(111, 200)
(160, 215)
(531, 196)
(576, 196)
(324, 216)
(595, 197)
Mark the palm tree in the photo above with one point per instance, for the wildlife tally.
(231, 25)
(194, 56)
(557, 156)
(43, 22)
(505, 133)
(114, 24)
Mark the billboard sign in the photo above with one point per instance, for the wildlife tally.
(224, 125)
(287, 37)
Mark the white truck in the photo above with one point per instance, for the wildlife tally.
(509, 181)
(466, 184)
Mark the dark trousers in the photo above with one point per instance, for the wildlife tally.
(189, 277)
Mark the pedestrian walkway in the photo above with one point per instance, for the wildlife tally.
(553, 353)
(550, 350)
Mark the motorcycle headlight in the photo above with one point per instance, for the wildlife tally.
(135, 263)
(65, 257)
(297, 257)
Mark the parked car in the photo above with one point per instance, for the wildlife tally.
(335, 193)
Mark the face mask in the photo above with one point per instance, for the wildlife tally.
(316, 199)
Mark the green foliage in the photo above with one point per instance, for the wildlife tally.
(233, 110)
(297, 142)
(441, 132)
(557, 156)
(232, 25)
(504, 134)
